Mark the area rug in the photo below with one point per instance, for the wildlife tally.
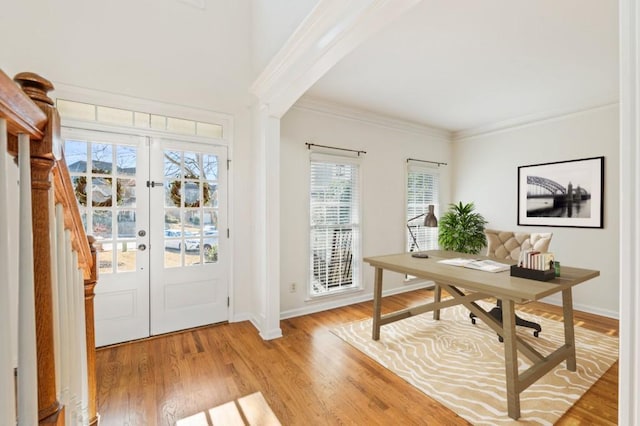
(462, 365)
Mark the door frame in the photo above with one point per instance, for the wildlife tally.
(95, 98)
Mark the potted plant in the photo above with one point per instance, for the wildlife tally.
(461, 229)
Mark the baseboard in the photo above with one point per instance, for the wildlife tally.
(557, 301)
(338, 303)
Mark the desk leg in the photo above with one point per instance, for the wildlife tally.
(437, 296)
(569, 336)
(377, 304)
(511, 358)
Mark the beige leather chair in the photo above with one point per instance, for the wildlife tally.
(509, 245)
(506, 245)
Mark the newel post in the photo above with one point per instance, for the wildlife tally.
(89, 295)
(50, 411)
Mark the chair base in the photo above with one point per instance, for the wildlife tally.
(496, 312)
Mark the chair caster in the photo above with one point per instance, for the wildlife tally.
(473, 321)
(536, 334)
(500, 339)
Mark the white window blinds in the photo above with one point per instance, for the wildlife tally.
(423, 187)
(335, 225)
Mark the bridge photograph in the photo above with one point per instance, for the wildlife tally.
(567, 193)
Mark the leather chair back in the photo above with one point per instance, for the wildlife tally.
(508, 245)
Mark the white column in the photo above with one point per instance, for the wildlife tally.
(27, 358)
(268, 222)
(7, 386)
(629, 378)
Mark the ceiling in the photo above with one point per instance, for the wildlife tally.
(464, 65)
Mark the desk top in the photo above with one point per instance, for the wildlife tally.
(499, 284)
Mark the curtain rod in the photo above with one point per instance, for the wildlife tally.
(309, 145)
(427, 161)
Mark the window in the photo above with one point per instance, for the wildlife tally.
(334, 225)
(422, 189)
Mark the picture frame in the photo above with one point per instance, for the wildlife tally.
(563, 193)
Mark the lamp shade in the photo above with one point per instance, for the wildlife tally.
(430, 220)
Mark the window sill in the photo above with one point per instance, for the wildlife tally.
(336, 293)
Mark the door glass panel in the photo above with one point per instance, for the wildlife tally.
(210, 166)
(126, 224)
(172, 193)
(101, 158)
(126, 256)
(191, 194)
(75, 153)
(105, 259)
(191, 165)
(126, 157)
(80, 188)
(101, 192)
(172, 164)
(210, 194)
(126, 190)
(102, 224)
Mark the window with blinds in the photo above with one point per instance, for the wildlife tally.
(422, 189)
(334, 225)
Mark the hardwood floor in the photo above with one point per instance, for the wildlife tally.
(307, 377)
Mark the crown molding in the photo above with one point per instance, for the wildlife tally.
(321, 106)
(524, 121)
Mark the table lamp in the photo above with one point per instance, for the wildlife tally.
(430, 221)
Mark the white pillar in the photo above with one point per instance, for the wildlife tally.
(629, 379)
(7, 386)
(268, 222)
(27, 358)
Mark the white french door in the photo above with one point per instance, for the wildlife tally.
(155, 207)
(189, 239)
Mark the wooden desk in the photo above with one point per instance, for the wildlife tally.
(481, 285)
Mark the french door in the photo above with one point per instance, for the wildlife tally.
(155, 207)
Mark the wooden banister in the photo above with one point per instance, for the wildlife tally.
(29, 110)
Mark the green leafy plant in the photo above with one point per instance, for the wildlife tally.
(461, 229)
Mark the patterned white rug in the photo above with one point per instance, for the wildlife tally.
(462, 365)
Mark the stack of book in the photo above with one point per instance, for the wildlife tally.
(532, 259)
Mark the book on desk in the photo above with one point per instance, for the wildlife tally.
(485, 265)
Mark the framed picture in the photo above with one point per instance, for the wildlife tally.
(564, 193)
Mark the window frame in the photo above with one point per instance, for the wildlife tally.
(356, 243)
(410, 211)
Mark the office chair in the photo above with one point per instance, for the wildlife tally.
(508, 245)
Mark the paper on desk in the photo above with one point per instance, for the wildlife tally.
(481, 265)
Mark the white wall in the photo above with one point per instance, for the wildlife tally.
(165, 51)
(273, 22)
(486, 172)
(383, 174)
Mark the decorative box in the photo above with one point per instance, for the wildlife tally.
(533, 274)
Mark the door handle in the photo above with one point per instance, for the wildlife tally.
(142, 247)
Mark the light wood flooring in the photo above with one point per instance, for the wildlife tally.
(307, 377)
